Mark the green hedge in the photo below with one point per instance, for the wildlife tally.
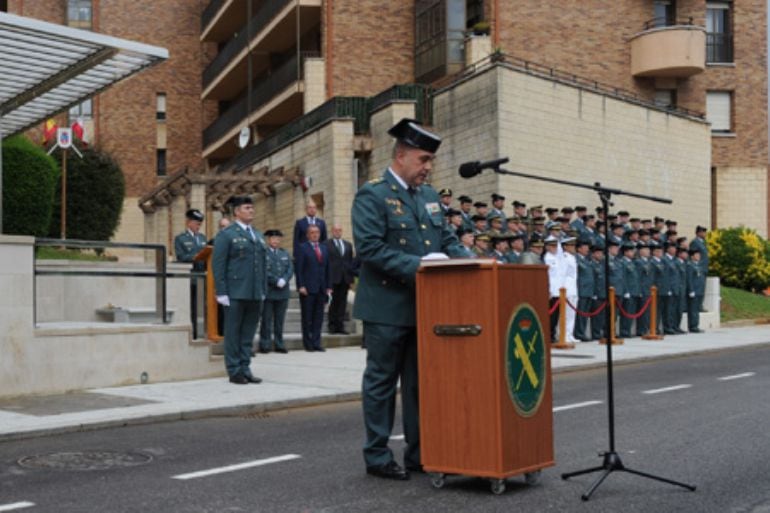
(740, 257)
(29, 182)
(95, 192)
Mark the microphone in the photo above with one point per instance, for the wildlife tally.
(470, 169)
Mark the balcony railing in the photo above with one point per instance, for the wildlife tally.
(210, 11)
(421, 94)
(663, 21)
(238, 43)
(262, 92)
(719, 47)
(338, 107)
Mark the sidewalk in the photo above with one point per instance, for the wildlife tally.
(296, 379)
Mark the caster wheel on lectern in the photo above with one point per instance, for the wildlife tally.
(498, 486)
(438, 480)
(532, 478)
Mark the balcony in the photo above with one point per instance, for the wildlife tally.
(276, 99)
(221, 19)
(273, 30)
(675, 51)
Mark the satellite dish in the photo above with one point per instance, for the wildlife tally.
(243, 137)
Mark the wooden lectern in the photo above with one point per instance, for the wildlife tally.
(212, 320)
(484, 370)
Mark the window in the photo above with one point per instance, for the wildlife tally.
(719, 111)
(719, 32)
(3, 5)
(665, 13)
(160, 108)
(439, 34)
(474, 12)
(665, 98)
(160, 162)
(83, 110)
(79, 13)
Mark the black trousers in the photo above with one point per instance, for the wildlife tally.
(312, 311)
(598, 321)
(581, 322)
(643, 322)
(554, 317)
(338, 307)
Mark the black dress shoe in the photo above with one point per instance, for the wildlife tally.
(670, 332)
(281, 350)
(415, 468)
(390, 470)
(680, 331)
(320, 349)
(253, 379)
(239, 379)
(343, 332)
(696, 330)
(263, 351)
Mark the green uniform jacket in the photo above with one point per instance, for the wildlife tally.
(392, 230)
(585, 277)
(278, 266)
(659, 276)
(617, 276)
(600, 289)
(646, 273)
(671, 276)
(631, 277)
(512, 257)
(700, 244)
(696, 278)
(239, 264)
(186, 246)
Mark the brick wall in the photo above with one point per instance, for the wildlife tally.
(372, 45)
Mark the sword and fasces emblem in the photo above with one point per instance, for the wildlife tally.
(525, 360)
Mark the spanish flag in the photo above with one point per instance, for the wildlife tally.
(49, 130)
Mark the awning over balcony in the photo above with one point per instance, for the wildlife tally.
(45, 68)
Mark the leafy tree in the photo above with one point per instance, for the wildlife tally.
(95, 192)
(739, 256)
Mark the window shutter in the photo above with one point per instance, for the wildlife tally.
(718, 110)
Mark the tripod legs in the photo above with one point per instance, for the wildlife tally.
(611, 463)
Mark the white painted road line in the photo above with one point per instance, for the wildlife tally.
(239, 466)
(397, 437)
(16, 505)
(667, 389)
(737, 376)
(576, 405)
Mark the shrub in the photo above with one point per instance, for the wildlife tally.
(95, 192)
(29, 182)
(739, 256)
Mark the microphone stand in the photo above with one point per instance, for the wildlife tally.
(611, 460)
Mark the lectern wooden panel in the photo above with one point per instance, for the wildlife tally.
(212, 321)
(484, 368)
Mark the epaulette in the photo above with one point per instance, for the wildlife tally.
(375, 181)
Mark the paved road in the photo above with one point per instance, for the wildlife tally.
(701, 419)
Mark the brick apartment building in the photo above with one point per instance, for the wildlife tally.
(292, 70)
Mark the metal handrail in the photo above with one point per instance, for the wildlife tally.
(209, 12)
(262, 92)
(160, 273)
(663, 21)
(240, 39)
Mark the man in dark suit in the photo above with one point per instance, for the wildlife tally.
(302, 224)
(313, 284)
(342, 270)
(240, 261)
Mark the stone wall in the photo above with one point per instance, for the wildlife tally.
(741, 198)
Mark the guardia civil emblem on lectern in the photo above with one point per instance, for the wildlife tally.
(525, 360)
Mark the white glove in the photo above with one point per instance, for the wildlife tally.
(692, 294)
(595, 298)
(627, 295)
(281, 283)
(435, 256)
(223, 300)
(669, 294)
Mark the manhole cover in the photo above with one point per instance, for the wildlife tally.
(92, 460)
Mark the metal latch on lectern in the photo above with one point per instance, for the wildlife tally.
(457, 330)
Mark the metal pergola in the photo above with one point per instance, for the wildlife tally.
(47, 68)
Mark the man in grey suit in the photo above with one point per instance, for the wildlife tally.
(279, 273)
(342, 271)
(240, 261)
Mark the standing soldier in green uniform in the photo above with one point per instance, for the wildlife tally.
(659, 280)
(681, 268)
(585, 288)
(396, 221)
(671, 286)
(279, 273)
(186, 245)
(646, 281)
(600, 292)
(696, 289)
(465, 208)
(240, 261)
(617, 275)
(699, 243)
(633, 291)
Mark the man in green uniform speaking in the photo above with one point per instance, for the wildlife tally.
(397, 220)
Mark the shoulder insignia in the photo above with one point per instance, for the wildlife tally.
(374, 181)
